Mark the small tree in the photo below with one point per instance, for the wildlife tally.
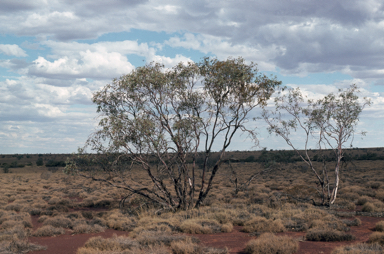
(330, 121)
(164, 120)
(39, 162)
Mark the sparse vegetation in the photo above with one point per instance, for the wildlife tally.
(68, 205)
(359, 249)
(268, 243)
(328, 235)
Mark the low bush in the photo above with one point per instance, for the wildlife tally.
(87, 229)
(380, 226)
(328, 235)
(368, 207)
(362, 200)
(58, 222)
(227, 227)
(352, 223)
(147, 243)
(361, 248)
(102, 244)
(189, 247)
(151, 238)
(19, 246)
(377, 237)
(261, 224)
(268, 243)
(45, 175)
(200, 226)
(48, 230)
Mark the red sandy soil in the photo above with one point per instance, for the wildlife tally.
(66, 244)
(234, 241)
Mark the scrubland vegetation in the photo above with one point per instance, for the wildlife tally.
(276, 201)
(150, 169)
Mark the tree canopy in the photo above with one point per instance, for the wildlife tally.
(163, 119)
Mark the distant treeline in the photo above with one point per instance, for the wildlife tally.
(291, 156)
(265, 156)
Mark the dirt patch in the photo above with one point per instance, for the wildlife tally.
(68, 244)
(234, 241)
(91, 209)
(361, 233)
(35, 222)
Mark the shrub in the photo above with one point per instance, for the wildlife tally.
(16, 245)
(39, 162)
(368, 207)
(58, 222)
(45, 175)
(102, 244)
(52, 163)
(261, 224)
(48, 230)
(186, 247)
(380, 195)
(86, 229)
(227, 227)
(6, 169)
(377, 237)
(375, 185)
(328, 235)
(14, 206)
(268, 243)
(151, 238)
(379, 226)
(200, 226)
(362, 200)
(361, 248)
(355, 222)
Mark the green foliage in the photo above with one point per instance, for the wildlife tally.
(250, 158)
(278, 156)
(6, 169)
(330, 122)
(53, 163)
(164, 119)
(39, 162)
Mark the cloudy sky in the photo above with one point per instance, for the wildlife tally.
(54, 54)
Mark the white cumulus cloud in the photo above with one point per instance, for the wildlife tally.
(12, 50)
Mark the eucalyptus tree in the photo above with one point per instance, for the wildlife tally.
(330, 123)
(162, 119)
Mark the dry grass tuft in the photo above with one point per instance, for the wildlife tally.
(261, 224)
(148, 242)
(227, 228)
(368, 207)
(116, 220)
(101, 244)
(377, 237)
(200, 226)
(48, 231)
(59, 222)
(9, 219)
(87, 229)
(352, 223)
(150, 238)
(380, 226)
(361, 248)
(328, 235)
(268, 243)
(189, 247)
